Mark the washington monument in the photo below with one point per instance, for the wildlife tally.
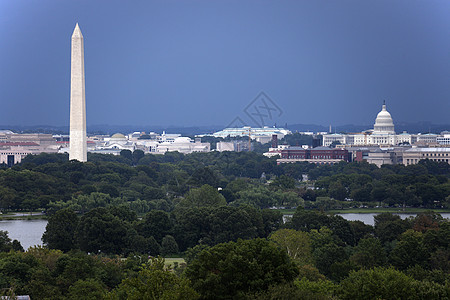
(78, 148)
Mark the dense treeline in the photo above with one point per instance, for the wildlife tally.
(312, 256)
(109, 218)
(117, 230)
(146, 182)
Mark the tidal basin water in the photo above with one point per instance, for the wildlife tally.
(29, 232)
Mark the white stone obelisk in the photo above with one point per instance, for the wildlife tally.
(78, 147)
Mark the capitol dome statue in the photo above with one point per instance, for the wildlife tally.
(383, 122)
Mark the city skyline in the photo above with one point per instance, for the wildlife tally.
(206, 63)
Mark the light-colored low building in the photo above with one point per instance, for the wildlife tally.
(427, 138)
(262, 135)
(381, 157)
(225, 146)
(444, 138)
(277, 151)
(236, 146)
(157, 144)
(183, 145)
(14, 146)
(414, 155)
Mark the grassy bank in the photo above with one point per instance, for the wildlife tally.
(22, 215)
(170, 261)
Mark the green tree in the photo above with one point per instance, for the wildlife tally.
(169, 245)
(191, 226)
(205, 196)
(235, 269)
(337, 191)
(231, 223)
(89, 289)
(377, 283)
(6, 244)
(101, 231)
(155, 282)
(409, 251)
(272, 220)
(296, 243)
(369, 253)
(203, 176)
(305, 220)
(388, 227)
(60, 230)
(137, 155)
(127, 154)
(155, 223)
(283, 182)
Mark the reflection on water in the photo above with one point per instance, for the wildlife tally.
(27, 232)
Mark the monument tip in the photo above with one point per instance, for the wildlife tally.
(77, 31)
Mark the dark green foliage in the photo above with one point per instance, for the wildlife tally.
(155, 223)
(123, 212)
(60, 230)
(377, 283)
(153, 246)
(6, 244)
(169, 246)
(154, 282)
(388, 227)
(48, 180)
(183, 210)
(235, 269)
(203, 176)
(369, 253)
(211, 226)
(360, 230)
(205, 196)
(101, 231)
(409, 251)
(283, 182)
(127, 154)
(272, 220)
(306, 220)
(192, 253)
(50, 274)
(89, 289)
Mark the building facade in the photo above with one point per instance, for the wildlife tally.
(382, 134)
(318, 155)
(414, 155)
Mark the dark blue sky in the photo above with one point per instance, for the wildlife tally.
(202, 62)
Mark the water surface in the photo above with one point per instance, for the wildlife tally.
(27, 232)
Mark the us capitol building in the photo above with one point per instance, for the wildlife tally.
(382, 134)
(382, 145)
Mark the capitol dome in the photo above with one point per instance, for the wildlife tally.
(383, 122)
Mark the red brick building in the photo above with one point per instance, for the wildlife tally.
(320, 155)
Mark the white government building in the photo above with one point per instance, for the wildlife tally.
(262, 134)
(156, 144)
(382, 134)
